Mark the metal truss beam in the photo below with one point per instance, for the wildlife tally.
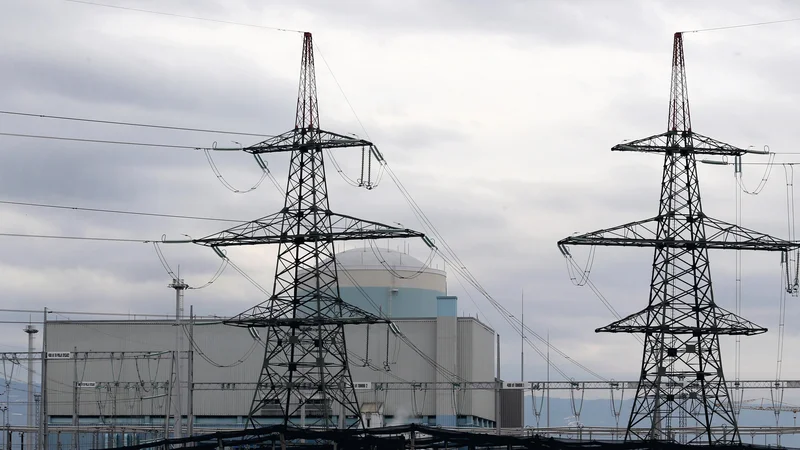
(491, 385)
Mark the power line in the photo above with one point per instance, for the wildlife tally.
(80, 238)
(132, 124)
(160, 13)
(101, 141)
(116, 211)
(730, 27)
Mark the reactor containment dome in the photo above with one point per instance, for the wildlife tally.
(397, 284)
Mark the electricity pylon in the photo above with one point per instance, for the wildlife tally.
(305, 371)
(681, 376)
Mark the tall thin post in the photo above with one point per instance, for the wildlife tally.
(37, 399)
(497, 404)
(548, 378)
(75, 398)
(190, 376)
(31, 331)
(180, 287)
(522, 342)
(522, 358)
(43, 384)
(169, 397)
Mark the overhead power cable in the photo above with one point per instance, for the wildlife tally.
(755, 24)
(182, 16)
(452, 258)
(102, 141)
(132, 124)
(78, 238)
(118, 211)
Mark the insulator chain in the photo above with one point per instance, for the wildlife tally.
(365, 180)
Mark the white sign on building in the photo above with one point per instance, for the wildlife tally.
(59, 355)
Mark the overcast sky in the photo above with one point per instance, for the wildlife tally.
(497, 116)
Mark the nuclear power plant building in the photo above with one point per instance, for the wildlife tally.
(124, 371)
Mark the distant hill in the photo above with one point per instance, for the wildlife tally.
(17, 398)
(599, 413)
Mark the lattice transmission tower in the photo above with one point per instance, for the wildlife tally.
(681, 378)
(305, 372)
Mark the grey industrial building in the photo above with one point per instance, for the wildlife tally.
(121, 373)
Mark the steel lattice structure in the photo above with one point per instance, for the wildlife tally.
(681, 376)
(305, 371)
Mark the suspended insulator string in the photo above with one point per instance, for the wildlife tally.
(739, 188)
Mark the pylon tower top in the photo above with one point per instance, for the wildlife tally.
(681, 376)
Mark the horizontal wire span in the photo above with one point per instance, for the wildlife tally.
(160, 13)
(131, 124)
(101, 141)
(117, 211)
(745, 25)
(79, 238)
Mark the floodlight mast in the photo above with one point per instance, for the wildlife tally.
(681, 375)
(305, 372)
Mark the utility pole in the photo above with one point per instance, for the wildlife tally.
(497, 402)
(305, 356)
(522, 357)
(43, 383)
(31, 331)
(681, 371)
(190, 377)
(548, 378)
(180, 286)
(37, 398)
(75, 435)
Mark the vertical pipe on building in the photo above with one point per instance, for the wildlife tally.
(497, 393)
(548, 378)
(190, 376)
(43, 384)
(75, 398)
(31, 331)
(522, 360)
(169, 397)
(180, 287)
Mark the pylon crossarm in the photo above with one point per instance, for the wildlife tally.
(253, 321)
(737, 237)
(683, 142)
(267, 230)
(720, 321)
(719, 235)
(305, 139)
(278, 312)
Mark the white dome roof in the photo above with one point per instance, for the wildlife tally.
(378, 258)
